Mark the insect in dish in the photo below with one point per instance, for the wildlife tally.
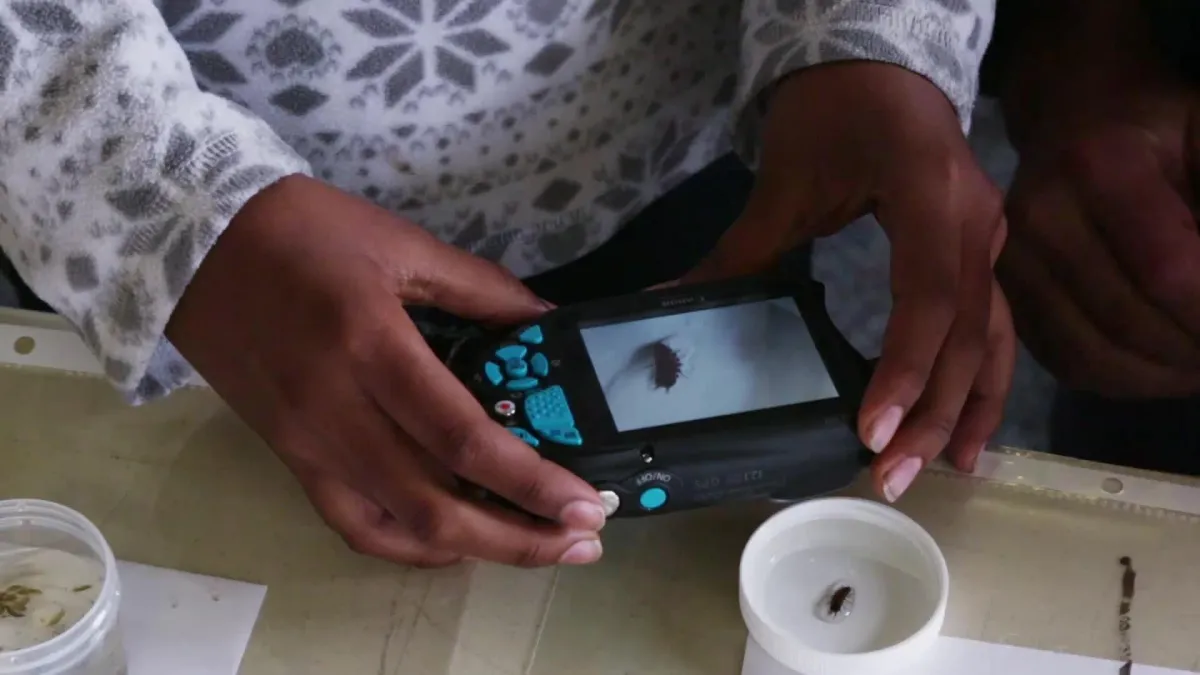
(837, 604)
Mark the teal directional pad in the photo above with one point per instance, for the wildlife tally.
(513, 371)
(516, 368)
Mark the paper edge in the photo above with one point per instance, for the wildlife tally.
(256, 592)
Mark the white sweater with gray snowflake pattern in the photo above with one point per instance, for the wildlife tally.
(526, 131)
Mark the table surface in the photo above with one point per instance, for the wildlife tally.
(182, 484)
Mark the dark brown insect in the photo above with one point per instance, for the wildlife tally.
(668, 365)
(838, 603)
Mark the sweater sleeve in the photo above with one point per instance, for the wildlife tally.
(942, 40)
(118, 174)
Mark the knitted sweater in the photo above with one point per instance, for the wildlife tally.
(525, 131)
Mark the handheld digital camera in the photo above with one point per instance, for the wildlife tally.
(682, 397)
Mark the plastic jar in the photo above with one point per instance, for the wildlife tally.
(799, 556)
(93, 644)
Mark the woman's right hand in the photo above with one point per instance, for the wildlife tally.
(1102, 265)
(297, 319)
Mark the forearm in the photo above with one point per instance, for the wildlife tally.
(117, 174)
(943, 42)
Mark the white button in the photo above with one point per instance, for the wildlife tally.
(505, 408)
(610, 501)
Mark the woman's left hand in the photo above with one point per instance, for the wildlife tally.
(844, 140)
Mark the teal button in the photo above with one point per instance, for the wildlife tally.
(653, 498)
(529, 438)
(511, 352)
(564, 436)
(516, 367)
(524, 384)
(540, 364)
(532, 335)
(492, 372)
(548, 409)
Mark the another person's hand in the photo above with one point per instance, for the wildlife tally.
(1103, 261)
(297, 319)
(845, 140)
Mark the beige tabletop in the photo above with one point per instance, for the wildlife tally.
(182, 484)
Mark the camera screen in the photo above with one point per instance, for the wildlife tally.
(709, 363)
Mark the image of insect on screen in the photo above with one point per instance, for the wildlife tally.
(709, 363)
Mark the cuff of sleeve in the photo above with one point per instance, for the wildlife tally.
(215, 172)
(946, 50)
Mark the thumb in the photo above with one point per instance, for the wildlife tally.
(469, 287)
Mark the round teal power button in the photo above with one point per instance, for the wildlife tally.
(653, 498)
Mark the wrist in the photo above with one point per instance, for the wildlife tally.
(237, 248)
(874, 88)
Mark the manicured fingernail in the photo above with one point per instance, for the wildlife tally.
(884, 428)
(582, 553)
(900, 477)
(583, 515)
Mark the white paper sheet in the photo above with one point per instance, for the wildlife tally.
(185, 624)
(955, 656)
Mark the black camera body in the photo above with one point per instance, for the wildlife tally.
(682, 397)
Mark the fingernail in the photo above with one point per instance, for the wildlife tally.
(975, 460)
(900, 477)
(583, 515)
(884, 428)
(582, 553)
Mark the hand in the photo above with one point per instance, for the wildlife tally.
(296, 318)
(844, 140)
(1103, 261)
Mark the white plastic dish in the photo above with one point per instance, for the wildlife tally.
(92, 645)
(791, 563)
